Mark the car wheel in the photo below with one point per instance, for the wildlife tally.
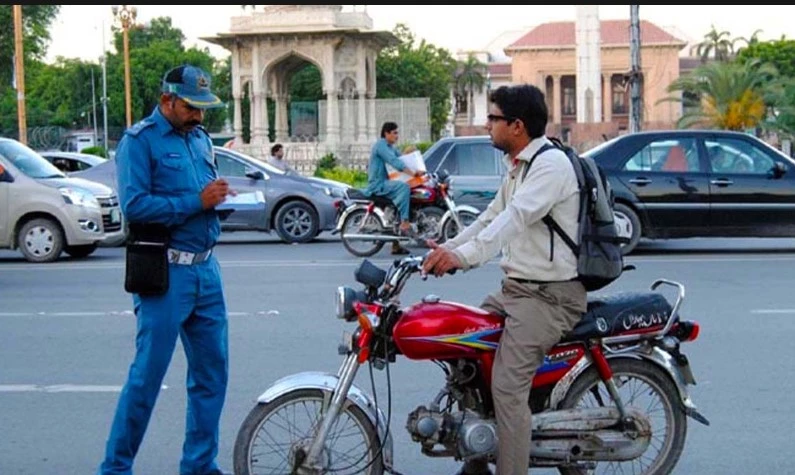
(628, 225)
(40, 240)
(297, 221)
(81, 251)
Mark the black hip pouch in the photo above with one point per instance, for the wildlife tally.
(146, 271)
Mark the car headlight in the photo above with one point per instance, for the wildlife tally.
(78, 197)
(343, 301)
(337, 192)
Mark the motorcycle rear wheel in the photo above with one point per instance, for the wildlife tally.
(353, 225)
(249, 459)
(656, 380)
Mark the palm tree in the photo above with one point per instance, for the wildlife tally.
(729, 96)
(717, 44)
(470, 77)
(752, 40)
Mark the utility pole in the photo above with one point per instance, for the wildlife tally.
(104, 92)
(634, 73)
(19, 74)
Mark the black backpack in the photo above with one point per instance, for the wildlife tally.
(599, 257)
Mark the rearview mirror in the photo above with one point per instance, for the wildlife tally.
(777, 170)
(255, 174)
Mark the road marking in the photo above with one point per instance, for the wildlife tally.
(55, 266)
(62, 388)
(774, 311)
(124, 313)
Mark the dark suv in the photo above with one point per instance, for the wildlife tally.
(475, 165)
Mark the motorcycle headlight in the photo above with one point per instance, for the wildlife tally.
(344, 299)
(77, 197)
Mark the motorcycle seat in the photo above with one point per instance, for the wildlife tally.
(621, 312)
(380, 201)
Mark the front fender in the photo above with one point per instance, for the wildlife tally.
(359, 206)
(327, 382)
(656, 356)
(449, 214)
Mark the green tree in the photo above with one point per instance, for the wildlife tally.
(36, 20)
(417, 70)
(780, 53)
(469, 78)
(732, 96)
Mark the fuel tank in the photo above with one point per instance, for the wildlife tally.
(441, 330)
(423, 195)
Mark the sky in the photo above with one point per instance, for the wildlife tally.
(77, 32)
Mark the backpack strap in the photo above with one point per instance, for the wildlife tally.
(541, 150)
(548, 220)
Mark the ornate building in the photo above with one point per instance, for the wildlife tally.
(270, 45)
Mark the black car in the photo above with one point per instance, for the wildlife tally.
(667, 184)
(699, 183)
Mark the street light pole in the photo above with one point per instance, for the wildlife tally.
(94, 105)
(19, 74)
(126, 16)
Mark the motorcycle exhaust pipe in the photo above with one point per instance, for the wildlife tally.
(376, 237)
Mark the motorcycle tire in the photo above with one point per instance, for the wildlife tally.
(369, 247)
(246, 458)
(450, 229)
(658, 381)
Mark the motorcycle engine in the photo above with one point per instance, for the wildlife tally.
(464, 434)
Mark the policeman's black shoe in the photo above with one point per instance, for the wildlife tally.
(398, 250)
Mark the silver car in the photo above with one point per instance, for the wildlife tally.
(298, 208)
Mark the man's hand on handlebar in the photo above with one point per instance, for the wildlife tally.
(440, 261)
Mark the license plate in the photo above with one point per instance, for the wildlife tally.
(115, 216)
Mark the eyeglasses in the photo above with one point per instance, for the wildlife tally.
(495, 118)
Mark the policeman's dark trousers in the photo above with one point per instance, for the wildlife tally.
(399, 192)
(193, 309)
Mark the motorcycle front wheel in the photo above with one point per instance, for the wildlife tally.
(355, 224)
(275, 437)
(450, 229)
(646, 387)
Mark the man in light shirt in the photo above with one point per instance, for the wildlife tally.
(539, 297)
(277, 158)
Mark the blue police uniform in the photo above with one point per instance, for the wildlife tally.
(161, 174)
(378, 182)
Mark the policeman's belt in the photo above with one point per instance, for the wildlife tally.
(175, 256)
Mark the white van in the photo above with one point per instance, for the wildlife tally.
(43, 212)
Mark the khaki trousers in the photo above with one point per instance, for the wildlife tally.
(537, 316)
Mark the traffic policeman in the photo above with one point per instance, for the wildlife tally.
(167, 175)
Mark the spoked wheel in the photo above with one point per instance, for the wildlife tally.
(275, 438)
(355, 223)
(648, 389)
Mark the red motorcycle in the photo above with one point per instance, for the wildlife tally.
(367, 223)
(611, 396)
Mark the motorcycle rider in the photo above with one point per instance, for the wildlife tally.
(378, 182)
(540, 297)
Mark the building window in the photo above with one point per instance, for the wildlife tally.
(568, 86)
(619, 95)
